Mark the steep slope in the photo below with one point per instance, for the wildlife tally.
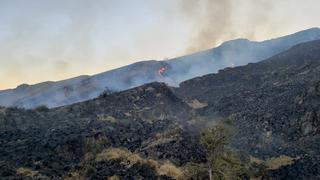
(235, 53)
(173, 71)
(54, 94)
(50, 143)
(274, 104)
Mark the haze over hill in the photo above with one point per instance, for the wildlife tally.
(55, 40)
(172, 71)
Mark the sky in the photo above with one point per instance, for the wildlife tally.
(46, 40)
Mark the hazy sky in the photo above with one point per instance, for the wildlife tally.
(56, 39)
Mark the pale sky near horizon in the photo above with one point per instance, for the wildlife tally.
(42, 40)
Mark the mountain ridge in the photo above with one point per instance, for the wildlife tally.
(176, 70)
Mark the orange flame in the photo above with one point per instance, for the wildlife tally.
(161, 71)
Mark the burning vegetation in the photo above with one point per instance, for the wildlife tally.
(161, 71)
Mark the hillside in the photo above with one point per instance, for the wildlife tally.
(274, 106)
(51, 143)
(172, 71)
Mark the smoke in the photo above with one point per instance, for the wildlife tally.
(94, 36)
(212, 21)
(215, 21)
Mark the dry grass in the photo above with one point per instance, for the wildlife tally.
(170, 170)
(113, 154)
(277, 162)
(134, 158)
(152, 163)
(274, 162)
(256, 160)
(115, 177)
(129, 158)
(196, 104)
(162, 138)
(106, 118)
(121, 154)
(26, 172)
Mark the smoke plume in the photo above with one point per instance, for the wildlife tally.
(215, 21)
(212, 21)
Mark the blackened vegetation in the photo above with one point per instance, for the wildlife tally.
(274, 106)
(149, 120)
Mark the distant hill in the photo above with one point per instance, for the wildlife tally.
(173, 71)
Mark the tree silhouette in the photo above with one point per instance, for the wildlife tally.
(222, 163)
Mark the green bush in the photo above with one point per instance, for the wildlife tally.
(222, 163)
